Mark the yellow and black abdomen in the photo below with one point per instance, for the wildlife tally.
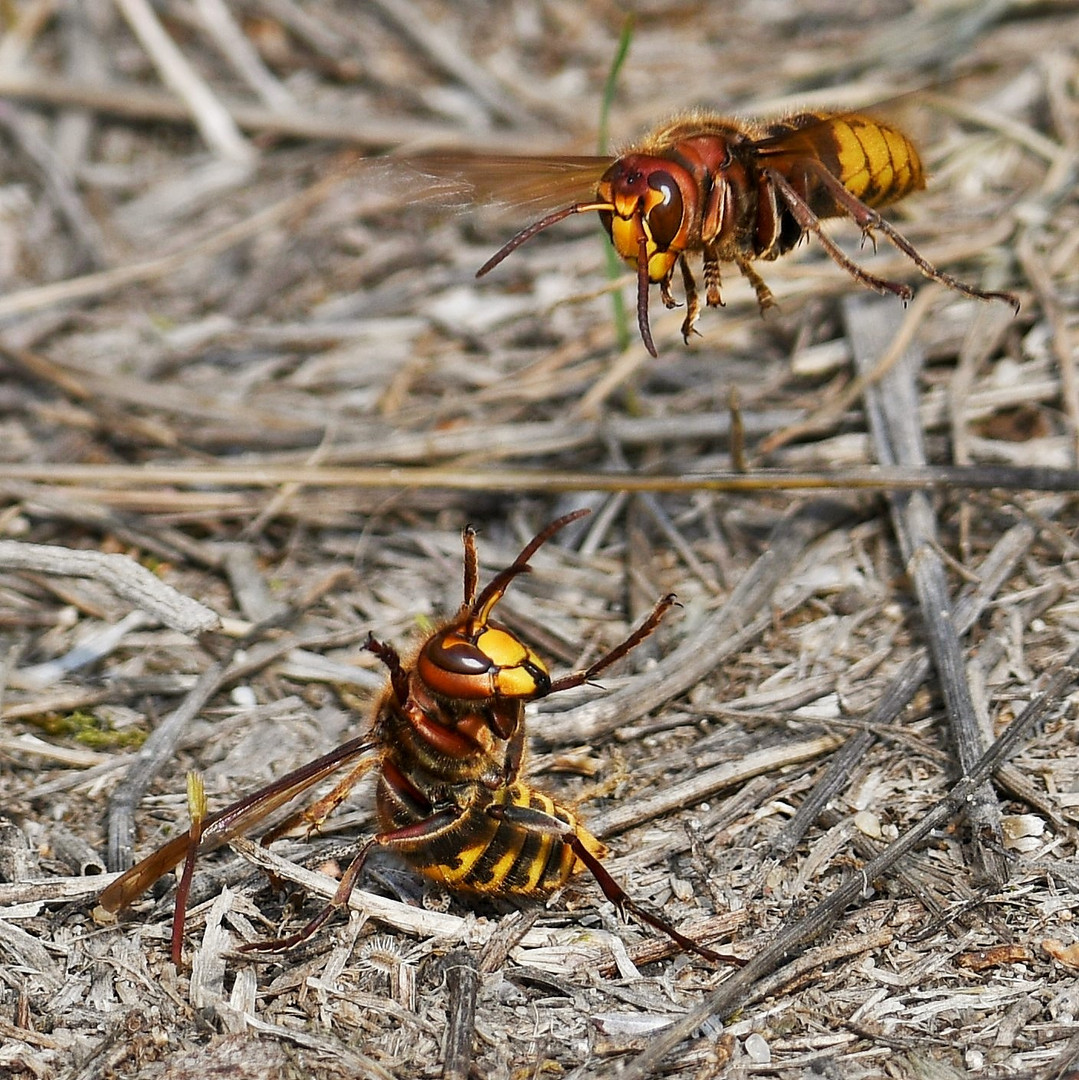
(876, 162)
(504, 841)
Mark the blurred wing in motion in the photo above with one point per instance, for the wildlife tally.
(536, 184)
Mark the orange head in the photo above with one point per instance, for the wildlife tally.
(647, 206)
(480, 661)
(474, 659)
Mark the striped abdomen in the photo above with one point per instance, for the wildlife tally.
(875, 162)
(480, 852)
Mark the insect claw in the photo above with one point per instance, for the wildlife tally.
(666, 295)
(689, 329)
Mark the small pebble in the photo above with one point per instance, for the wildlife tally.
(868, 823)
(757, 1049)
(243, 696)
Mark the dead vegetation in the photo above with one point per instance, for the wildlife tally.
(266, 374)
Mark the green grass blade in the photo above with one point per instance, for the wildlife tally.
(615, 269)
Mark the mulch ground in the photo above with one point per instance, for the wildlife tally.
(251, 393)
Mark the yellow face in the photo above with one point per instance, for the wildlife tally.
(625, 235)
(646, 196)
(492, 663)
(517, 665)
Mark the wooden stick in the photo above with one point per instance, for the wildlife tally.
(133, 478)
(796, 936)
(210, 116)
(994, 570)
(892, 408)
(462, 987)
(122, 574)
